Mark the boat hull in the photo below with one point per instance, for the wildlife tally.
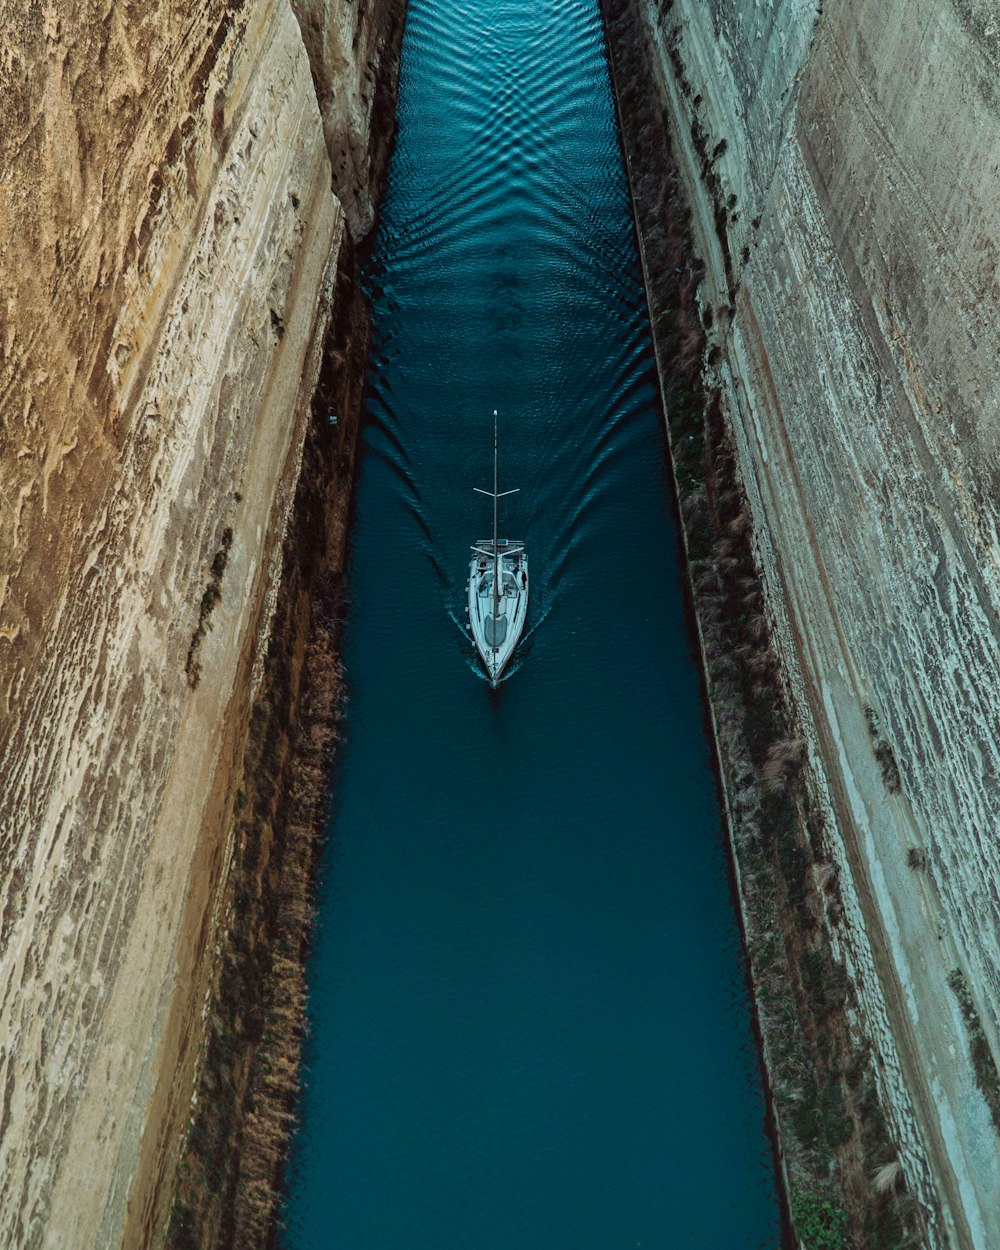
(497, 636)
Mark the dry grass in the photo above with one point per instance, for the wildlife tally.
(784, 759)
(886, 1178)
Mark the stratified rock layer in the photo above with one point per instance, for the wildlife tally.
(843, 163)
(168, 239)
(348, 58)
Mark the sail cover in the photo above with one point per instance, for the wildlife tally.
(495, 629)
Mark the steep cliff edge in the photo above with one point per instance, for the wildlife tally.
(841, 165)
(353, 73)
(169, 241)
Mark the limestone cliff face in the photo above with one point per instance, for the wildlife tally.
(844, 162)
(348, 47)
(168, 239)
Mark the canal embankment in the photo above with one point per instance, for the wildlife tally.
(230, 1171)
(841, 216)
(179, 195)
(230, 1174)
(839, 1161)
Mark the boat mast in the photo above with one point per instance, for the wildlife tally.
(496, 522)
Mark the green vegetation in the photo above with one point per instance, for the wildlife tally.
(820, 1223)
(820, 1118)
(983, 1063)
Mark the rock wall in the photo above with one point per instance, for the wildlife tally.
(349, 47)
(169, 237)
(843, 160)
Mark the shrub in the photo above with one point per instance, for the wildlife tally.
(983, 1063)
(820, 1224)
(211, 596)
(886, 757)
(837, 1124)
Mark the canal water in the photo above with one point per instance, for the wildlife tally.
(529, 1023)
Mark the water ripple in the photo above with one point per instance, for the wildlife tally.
(529, 1023)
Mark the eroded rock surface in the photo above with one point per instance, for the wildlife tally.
(348, 59)
(843, 162)
(168, 239)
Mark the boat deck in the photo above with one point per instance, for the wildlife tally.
(497, 637)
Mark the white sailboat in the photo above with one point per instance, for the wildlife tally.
(498, 587)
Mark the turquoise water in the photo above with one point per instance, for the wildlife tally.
(530, 1026)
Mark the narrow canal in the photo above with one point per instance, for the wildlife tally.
(529, 1022)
